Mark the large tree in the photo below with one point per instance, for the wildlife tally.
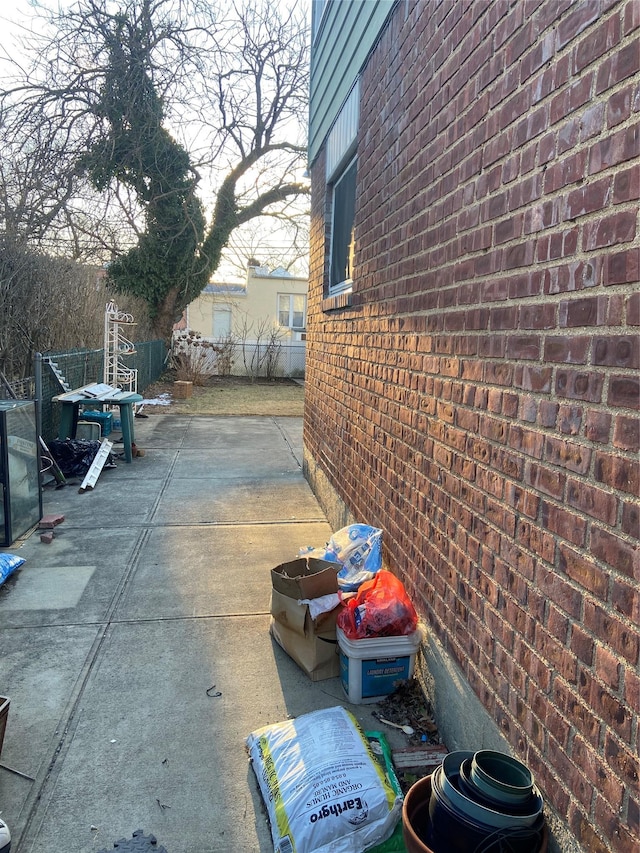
(187, 117)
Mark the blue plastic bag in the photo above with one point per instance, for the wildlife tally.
(358, 548)
(8, 564)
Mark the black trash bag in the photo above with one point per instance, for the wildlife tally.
(75, 455)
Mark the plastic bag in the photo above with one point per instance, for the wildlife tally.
(318, 553)
(75, 455)
(322, 604)
(324, 790)
(380, 608)
(8, 564)
(358, 547)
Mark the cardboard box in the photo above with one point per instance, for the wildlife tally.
(182, 389)
(311, 644)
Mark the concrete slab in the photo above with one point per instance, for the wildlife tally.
(228, 501)
(194, 571)
(240, 463)
(208, 432)
(72, 581)
(40, 671)
(150, 749)
(45, 588)
(125, 495)
(159, 430)
(292, 431)
(155, 588)
(156, 464)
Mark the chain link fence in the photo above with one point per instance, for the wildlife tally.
(204, 356)
(78, 368)
(281, 361)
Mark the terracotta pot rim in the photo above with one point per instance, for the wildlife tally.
(413, 841)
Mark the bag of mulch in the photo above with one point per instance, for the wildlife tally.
(324, 790)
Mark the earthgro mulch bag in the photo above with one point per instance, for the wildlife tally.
(323, 788)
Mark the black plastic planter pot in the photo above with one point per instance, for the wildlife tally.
(430, 825)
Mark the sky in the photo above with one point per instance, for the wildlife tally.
(21, 17)
(16, 20)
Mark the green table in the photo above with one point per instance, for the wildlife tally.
(96, 394)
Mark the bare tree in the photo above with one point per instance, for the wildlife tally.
(287, 246)
(51, 304)
(45, 303)
(140, 102)
(260, 344)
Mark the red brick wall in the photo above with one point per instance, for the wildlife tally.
(479, 400)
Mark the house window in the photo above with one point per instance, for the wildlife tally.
(292, 310)
(221, 323)
(318, 8)
(341, 172)
(342, 233)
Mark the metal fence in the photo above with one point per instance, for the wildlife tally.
(283, 360)
(80, 367)
(255, 359)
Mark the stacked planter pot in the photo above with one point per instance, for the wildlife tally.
(481, 802)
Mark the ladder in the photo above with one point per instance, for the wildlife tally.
(96, 466)
(62, 382)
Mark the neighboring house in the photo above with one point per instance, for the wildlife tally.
(268, 300)
(473, 364)
(269, 308)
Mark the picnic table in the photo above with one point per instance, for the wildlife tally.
(98, 394)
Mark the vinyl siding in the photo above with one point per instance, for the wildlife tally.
(347, 33)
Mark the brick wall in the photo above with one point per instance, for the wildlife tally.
(479, 399)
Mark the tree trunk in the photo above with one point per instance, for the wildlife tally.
(166, 316)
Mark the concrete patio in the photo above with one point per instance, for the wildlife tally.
(155, 588)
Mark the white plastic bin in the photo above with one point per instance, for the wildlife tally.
(370, 668)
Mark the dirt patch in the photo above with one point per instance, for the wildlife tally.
(230, 395)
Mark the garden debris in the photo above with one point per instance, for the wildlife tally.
(419, 758)
(75, 456)
(407, 705)
(408, 730)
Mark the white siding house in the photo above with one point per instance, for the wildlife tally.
(269, 309)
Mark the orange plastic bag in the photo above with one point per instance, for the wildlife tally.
(380, 608)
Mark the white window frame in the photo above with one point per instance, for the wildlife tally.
(220, 310)
(291, 297)
(342, 232)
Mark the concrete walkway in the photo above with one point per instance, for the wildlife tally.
(155, 589)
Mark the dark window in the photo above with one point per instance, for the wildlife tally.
(342, 234)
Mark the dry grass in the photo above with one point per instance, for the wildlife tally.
(233, 395)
